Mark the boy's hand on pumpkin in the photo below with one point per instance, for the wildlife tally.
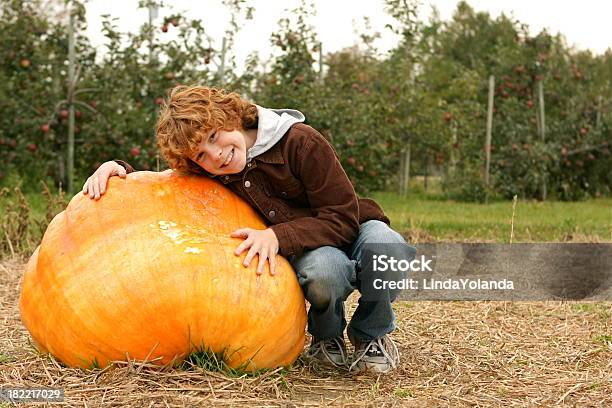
(95, 185)
(262, 242)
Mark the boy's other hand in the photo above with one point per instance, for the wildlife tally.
(262, 242)
(95, 185)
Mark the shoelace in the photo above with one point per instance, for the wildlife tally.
(377, 349)
(325, 346)
(374, 351)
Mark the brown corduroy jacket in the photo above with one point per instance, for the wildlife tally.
(304, 194)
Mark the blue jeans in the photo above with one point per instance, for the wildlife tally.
(328, 275)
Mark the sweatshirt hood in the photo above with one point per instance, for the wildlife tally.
(272, 126)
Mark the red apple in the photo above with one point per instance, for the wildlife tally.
(530, 103)
(45, 127)
(25, 63)
(135, 151)
(584, 131)
(159, 100)
(32, 147)
(165, 28)
(351, 160)
(64, 114)
(78, 114)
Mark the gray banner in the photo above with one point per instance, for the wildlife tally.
(488, 272)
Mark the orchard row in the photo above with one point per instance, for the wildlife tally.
(427, 96)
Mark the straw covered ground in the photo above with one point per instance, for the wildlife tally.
(453, 354)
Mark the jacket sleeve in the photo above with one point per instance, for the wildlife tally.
(333, 202)
(128, 168)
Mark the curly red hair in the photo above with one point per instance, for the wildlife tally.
(189, 113)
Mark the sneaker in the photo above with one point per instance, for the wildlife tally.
(378, 356)
(328, 352)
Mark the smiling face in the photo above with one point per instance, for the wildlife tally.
(222, 151)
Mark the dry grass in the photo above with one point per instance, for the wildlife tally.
(453, 354)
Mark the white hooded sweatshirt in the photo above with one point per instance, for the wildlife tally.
(272, 126)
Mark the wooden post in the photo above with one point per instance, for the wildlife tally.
(400, 175)
(320, 62)
(542, 132)
(71, 89)
(153, 9)
(488, 136)
(404, 173)
(453, 158)
(541, 102)
(407, 170)
(221, 72)
(426, 171)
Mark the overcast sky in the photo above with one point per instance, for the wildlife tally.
(585, 23)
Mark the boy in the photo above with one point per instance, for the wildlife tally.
(292, 176)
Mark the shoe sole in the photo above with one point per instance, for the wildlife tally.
(372, 368)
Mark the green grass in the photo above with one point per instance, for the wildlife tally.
(403, 393)
(5, 359)
(604, 339)
(431, 217)
(534, 221)
(602, 310)
(208, 360)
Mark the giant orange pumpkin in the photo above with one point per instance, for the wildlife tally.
(149, 272)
